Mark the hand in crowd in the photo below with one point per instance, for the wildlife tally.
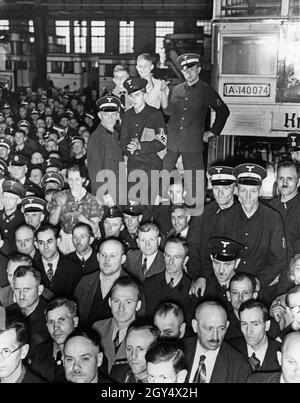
(164, 87)
(207, 135)
(198, 285)
(108, 200)
(278, 311)
(134, 145)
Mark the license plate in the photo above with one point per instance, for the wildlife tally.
(246, 90)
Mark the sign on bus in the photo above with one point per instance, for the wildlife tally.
(246, 90)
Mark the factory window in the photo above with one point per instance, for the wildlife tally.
(62, 29)
(4, 25)
(98, 36)
(80, 32)
(31, 30)
(206, 26)
(162, 28)
(126, 43)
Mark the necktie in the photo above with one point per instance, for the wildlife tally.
(254, 362)
(224, 289)
(122, 98)
(117, 342)
(50, 272)
(171, 284)
(200, 376)
(144, 266)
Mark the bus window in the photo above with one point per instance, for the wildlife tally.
(249, 55)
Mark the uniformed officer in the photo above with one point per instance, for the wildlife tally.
(143, 137)
(133, 215)
(52, 180)
(104, 154)
(188, 107)
(18, 168)
(34, 209)
(5, 148)
(11, 216)
(53, 164)
(294, 146)
(112, 222)
(258, 227)
(225, 258)
(223, 184)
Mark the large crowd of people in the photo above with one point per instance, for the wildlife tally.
(107, 280)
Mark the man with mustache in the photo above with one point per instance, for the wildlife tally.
(211, 359)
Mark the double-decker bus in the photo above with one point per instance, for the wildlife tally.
(256, 70)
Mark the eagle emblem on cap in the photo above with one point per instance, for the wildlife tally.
(250, 167)
(219, 170)
(48, 162)
(109, 99)
(225, 244)
(30, 200)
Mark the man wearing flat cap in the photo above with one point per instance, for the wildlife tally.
(104, 152)
(187, 108)
(11, 216)
(143, 136)
(259, 228)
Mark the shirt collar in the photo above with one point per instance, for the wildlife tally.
(86, 257)
(150, 259)
(260, 354)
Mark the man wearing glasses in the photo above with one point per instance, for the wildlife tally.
(188, 107)
(13, 349)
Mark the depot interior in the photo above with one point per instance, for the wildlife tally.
(250, 53)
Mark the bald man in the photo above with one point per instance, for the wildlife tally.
(210, 359)
(289, 359)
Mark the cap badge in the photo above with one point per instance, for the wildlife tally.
(250, 167)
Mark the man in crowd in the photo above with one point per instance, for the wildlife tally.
(187, 108)
(169, 319)
(14, 346)
(166, 363)
(256, 345)
(93, 291)
(125, 301)
(211, 359)
(34, 209)
(148, 259)
(61, 320)
(140, 336)
(83, 357)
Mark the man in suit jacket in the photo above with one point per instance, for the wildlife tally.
(209, 358)
(187, 228)
(148, 259)
(59, 274)
(84, 255)
(255, 345)
(140, 336)
(61, 320)
(289, 359)
(125, 300)
(93, 291)
(29, 302)
(173, 284)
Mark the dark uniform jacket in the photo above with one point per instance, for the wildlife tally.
(230, 365)
(208, 222)
(8, 224)
(29, 377)
(103, 152)
(188, 108)
(270, 362)
(133, 125)
(263, 235)
(157, 291)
